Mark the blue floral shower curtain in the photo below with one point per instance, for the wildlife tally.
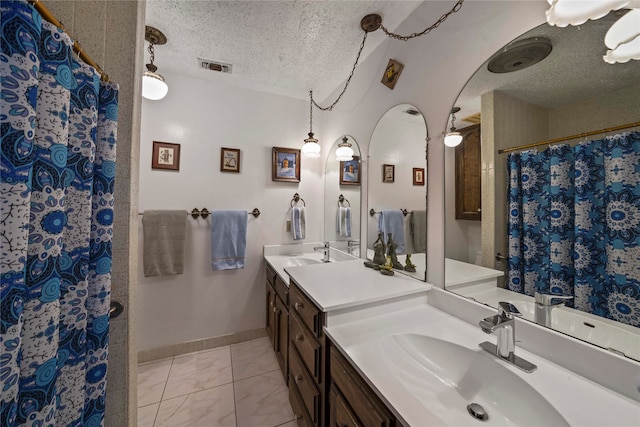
(574, 224)
(59, 125)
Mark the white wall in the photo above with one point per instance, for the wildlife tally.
(203, 117)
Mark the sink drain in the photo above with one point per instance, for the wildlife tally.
(477, 412)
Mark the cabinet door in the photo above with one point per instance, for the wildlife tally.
(468, 175)
(282, 336)
(271, 312)
(343, 415)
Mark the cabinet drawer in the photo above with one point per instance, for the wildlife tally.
(344, 416)
(282, 289)
(271, 274)
(308, 347)
(299, 411)
(307, 388)
(307, 311)
(366, 406)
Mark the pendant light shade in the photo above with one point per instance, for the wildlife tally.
(153, 85)
(623, 39)
(453, 138)
(344, 152)
(576, 12)
(311, 148)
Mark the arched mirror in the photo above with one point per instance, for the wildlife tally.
(342, 193)
(397, 184)
(553, 218)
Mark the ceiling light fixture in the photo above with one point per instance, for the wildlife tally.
(153, 84)
(622, 39)
(311, 148)
(344, 152)
(369, 23)
(453, 137)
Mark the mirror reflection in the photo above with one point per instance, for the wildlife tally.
(556, 229)
(342, 196)
(397, 186)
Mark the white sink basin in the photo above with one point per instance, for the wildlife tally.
(297, 261)
(447, 377)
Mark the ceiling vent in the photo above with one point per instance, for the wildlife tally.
(214, 66)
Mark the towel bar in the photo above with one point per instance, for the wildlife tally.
(372, 212)
(204, 213)
(341, 199)
(296, 199)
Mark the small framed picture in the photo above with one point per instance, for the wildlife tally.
(285, 164)
(165, 156)
(418, 176)
(229, 160)
(388, 173)
(392, 73)
(350, 171)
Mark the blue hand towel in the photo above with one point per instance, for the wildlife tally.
(392, 222)
(344, 222)
(298, 223)
(228, 239)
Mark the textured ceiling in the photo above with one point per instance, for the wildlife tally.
(572, 72)
(283, 47)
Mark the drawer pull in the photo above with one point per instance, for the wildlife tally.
(298, 378)
(275, 309)
(297, 416)
(299, 338)
(271, 303)
(297, 306)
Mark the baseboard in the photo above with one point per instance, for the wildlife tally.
(198, 345)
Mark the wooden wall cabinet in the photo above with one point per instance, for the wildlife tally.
(468, 175)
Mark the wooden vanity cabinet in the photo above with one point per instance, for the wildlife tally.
(308, 386)
(277, 322)
(351, 400)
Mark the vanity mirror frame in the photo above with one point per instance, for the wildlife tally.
(561, 122)
(397, 124)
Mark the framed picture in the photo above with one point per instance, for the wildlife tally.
(229, 160)
(392, 73)
(388, 173)
(285, 164)
(350, 171)
(165, 156)
(418, 176)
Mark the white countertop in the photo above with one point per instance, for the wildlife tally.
(580, 401)
(348, 284)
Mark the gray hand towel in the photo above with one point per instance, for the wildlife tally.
(164, 235)
(419, 231)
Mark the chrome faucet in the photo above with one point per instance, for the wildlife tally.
(504, 326)
(351, 245)
(325, 249)
(544, 304)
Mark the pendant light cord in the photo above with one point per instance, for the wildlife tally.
(443, 18)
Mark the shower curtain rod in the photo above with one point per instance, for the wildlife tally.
(46, 14)
(567, 138)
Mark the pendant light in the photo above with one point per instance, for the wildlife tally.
(153, 84)
(623, 39)
(311, 148)
(344, 152)
(453, 137)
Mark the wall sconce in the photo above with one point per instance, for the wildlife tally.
(344, 152)
(453, 137)
(153, 84)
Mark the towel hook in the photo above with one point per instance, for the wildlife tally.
(296, 199)
(372, 212)
(341, 199)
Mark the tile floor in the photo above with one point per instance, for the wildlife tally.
(238, 385)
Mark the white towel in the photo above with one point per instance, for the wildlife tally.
(298, 223)
(344, 222)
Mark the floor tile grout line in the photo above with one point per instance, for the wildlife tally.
(166, 381)
(233, 387)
